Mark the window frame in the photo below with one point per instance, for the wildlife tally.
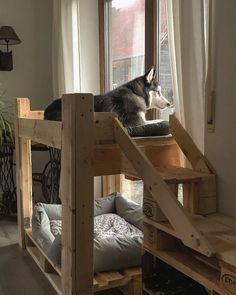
(152, 48)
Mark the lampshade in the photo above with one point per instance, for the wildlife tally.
(8, 35)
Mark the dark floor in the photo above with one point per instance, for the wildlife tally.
(19, 275)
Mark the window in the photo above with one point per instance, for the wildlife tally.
(125, 41)
(134, 37)
(165, 77)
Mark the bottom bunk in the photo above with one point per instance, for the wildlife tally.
(118, 238)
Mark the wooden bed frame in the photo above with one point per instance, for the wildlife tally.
(95, 144)
(89, 147)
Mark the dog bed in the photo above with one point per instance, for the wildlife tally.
(118, 233)
(153, 129)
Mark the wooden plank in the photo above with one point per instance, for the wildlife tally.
(190, 197)
(107, 161)
(23, 173)
(53, 278)
(207, 205)
(33, 114)
(192, 267)
(31, 242)
(168, 154)
(188, 147)
(228, 278)
(162, 194)
(104, 127)
(41, 131)
(77, 194)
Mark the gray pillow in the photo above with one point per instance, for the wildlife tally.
(41, 227)
(117, 253)
(54, 253)
(130, 211)
(105, 205)
(109, 253)
(54, 211)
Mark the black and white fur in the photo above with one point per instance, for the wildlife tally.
(129, 101)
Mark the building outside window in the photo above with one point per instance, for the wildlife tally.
(124, 38)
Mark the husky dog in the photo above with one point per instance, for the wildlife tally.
(129, 101)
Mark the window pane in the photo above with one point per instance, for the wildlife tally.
(127, 40)
(164, 58)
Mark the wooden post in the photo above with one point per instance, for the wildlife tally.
(77, 194)
(188, 147)
(23, 172)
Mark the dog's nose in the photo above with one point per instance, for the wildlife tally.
(168, 104)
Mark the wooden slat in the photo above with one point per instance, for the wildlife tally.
(188, 147)
(192, 267)
(162, 194)
(32, 242)
(77, 194)
(23, 173)
(104, 127)
(41, 131)
(53, 278)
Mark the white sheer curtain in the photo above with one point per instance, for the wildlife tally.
(66, 53)
(186, 19)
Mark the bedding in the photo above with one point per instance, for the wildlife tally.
(118, 233)
(160, 128)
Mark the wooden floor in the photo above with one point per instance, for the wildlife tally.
(18, 272)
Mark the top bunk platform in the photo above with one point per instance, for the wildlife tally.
(83, 123)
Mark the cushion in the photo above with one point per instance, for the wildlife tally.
(130, 211)
(54, 252)
(153, 129)
(117, 243)
(55, 226)
(41, 227)
(105, 205)
(117, 239)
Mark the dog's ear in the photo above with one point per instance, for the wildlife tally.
(150, 75)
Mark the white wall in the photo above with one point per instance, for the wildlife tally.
(32, 71)
(220, 146)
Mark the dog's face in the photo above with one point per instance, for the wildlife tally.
(156, 99)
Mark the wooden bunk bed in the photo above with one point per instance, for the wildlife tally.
(88, 148)
(189, 236)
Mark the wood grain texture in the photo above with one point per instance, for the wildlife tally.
(23, 172)
(162, 194)
(77, 194)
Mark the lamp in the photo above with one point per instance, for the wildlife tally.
(7, 37)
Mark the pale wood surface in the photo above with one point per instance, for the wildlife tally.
(162, 194)
(41, 131)
(188, 147)
(192, 267)
(77, 194)
(23, 172)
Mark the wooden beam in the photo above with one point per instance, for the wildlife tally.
(41, 131)
(188, 147)
(23, 172)
(162, 193)
(77, 194)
